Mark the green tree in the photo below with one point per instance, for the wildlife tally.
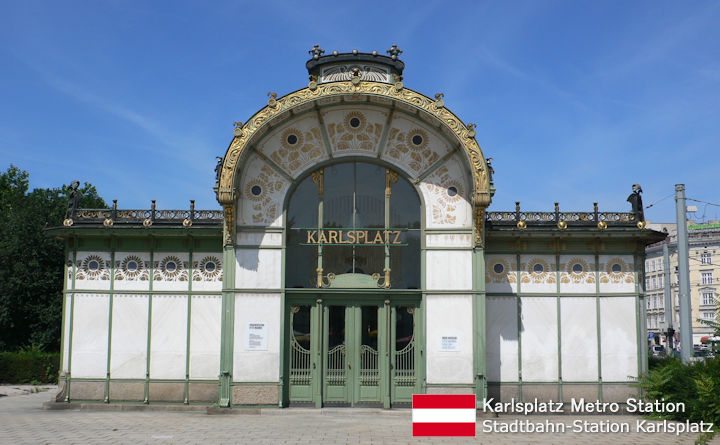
(31, 263)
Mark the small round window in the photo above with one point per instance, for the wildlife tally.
(417, 140)
(171, 266)
(210, 266)
(93, 265)
(577, 268)
(498, 268)
(292, 139)
(616, 268)
(538, 268)
(452, 191)
(354, 122)
(256, 190)
(132, 266)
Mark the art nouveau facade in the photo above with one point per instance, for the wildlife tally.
(355, 262)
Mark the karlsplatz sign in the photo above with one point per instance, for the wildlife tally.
(354, 237)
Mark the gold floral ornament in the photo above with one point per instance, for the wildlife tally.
(538, 271)
(93, 266)
(210, 268)
(171, 267)
(577, 271)
(132, 266)
(499, 272)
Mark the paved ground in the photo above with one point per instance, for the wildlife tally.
(22, 420)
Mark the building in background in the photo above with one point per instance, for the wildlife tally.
(704, 251)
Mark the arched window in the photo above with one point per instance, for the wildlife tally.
(356, 220)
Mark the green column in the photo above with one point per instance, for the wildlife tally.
(228, 326)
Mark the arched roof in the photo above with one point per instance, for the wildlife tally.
(432, 111)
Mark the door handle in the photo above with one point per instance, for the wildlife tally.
(349, 365)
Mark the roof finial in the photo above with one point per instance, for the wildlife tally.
(394, 52)
(316, 52)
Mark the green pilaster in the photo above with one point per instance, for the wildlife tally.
(559, 325)
(519, 323)
(70, 329)
(149, 331)
(597, 318)
(479, 320)
(227, 329)
(110, 318)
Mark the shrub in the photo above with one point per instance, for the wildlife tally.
(696, 384)
(30, 365)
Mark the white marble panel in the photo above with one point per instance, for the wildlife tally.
(90, 336)
(578, 337)
(448, 269)
(132, 271)
(618, 337)
(448, 240)
(361, 140)
(449, 316)
(168, 337)
(577, 274)
(617, 273)
(539, 331)
(171, 271)
(262, 194)
(66, 331)
(501, 273)
(258, 269)
(246, 238)
(295, 146)
(128, 359)
(92, 270)
(538, 274)
(413, 146)
(257, 365)
(205, 324)
(501, 339)
(207, 271)
(446, 193)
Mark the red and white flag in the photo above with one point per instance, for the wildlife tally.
(443, 415)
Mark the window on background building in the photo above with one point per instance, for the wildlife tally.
(647, 283)
(708, 315)
(707, 298)
(654, 282)
(706, 258)
(662, 317)
(706, 277)
(661, 263)
(648, 303)
(661, 302)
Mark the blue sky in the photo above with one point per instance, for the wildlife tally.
(575, 101)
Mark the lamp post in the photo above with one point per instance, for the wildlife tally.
(686, 343)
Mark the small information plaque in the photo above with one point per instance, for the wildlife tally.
(449, 343)
(256, 337)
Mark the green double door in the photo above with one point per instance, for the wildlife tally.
(352, 354)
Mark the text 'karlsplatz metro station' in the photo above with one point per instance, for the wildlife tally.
(356, 261)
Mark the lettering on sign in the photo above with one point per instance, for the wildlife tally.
(354, 237)
(256, 337)
(449, 343)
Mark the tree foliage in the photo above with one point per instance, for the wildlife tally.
(31, 263)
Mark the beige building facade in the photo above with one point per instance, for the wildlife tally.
(704, 252)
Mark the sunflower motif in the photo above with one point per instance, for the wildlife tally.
(171, 266)
(210, 267)
(498, 271)
(539, 271)
(355, 121)
(93, 266)
(578, 270)
(132, 266)
(292, 139)
(453, 191)
(616, 266)
(417, 140)
(255, 190)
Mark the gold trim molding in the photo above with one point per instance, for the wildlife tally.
(464, 134)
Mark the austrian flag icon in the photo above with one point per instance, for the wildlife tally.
(443, 415)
